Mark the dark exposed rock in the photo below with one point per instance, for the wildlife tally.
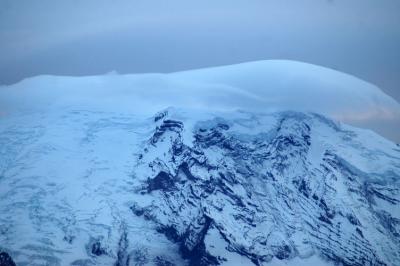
(389, 222)
(258, 179)
(97, 249)
(303, 187)
(167, 125)
(197, 255)
(69, 238)
(6, 260)
(137, 210)
(358, 230)
(163, 181)
(353, 219)
(160, 115)
(283, 252)
(195, 252)
(123, 258)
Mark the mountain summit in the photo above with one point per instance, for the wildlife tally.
(242, 170)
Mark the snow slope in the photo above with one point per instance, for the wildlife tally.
(102, 188)
(91, 173)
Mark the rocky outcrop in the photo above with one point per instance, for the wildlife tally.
(188, 187)
(264, 196)
(6, 260)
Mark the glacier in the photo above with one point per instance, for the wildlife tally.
(241, 170)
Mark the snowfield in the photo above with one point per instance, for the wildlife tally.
(222, 166)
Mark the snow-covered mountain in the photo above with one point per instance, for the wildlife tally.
(86, 181)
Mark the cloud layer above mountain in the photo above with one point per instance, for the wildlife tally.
(79, 38)
(261, 86)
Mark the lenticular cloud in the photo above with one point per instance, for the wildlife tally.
(260, 86)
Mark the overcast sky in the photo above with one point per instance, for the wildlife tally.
(74, 37)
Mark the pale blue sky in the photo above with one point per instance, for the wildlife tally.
(74, 37)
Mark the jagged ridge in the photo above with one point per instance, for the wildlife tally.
(263, 194)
